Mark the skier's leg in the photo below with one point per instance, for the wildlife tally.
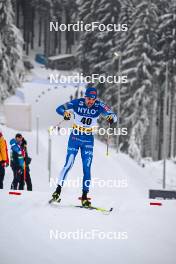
(12, 184)
(86, 155)
(15, 180)
(20, 174)
(72, 151)
(2, 174)
(21, 182)
(87, 161)
(28, 179)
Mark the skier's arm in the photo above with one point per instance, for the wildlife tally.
(67, 106)
(110, 116)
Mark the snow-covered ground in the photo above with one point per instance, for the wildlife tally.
(27, 220)
(144, 234)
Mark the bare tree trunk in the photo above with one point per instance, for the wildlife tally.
(40, 32)
(32, 28)
(18, 14)
(173, 116)
(26, 24)
(55, 42)
(153, 127)
(69, 34)
(49, 39)
(60, 38)
(27, 41)
(45, 38)
(160, 124)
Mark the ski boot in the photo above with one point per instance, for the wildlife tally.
(84, 200)
(56, 194)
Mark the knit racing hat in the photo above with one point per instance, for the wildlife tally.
(91, 92)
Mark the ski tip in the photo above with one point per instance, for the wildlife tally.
(50, 201)
(53, 201)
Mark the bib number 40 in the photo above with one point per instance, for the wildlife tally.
(86, 121)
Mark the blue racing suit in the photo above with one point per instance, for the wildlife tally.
(85, 120)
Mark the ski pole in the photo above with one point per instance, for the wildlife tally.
(37, 135)
(49, 155)
(51, 128)
(60, 122)
(107, 143)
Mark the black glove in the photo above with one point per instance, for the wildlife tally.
(67, 115)
(110, 119)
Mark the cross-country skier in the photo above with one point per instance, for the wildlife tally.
(86, 112)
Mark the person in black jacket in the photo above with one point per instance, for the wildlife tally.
(20, 163)
(17, 163)
(27, 161)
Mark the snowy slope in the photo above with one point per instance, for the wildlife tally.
(45, 96)
(26, 220)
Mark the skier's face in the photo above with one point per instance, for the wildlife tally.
(89, 101)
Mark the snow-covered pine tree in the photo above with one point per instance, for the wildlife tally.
(167, 46)
(95, 49)
(106, 12)
(139, 65)
(70, 12)
(154, 135)
(10, 51)
(95, 45)
(121, 39)
(87, 38)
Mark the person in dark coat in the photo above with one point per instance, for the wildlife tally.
(27, 161)
(20, 164)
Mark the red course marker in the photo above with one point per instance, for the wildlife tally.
(156, 203)
(15, 193)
